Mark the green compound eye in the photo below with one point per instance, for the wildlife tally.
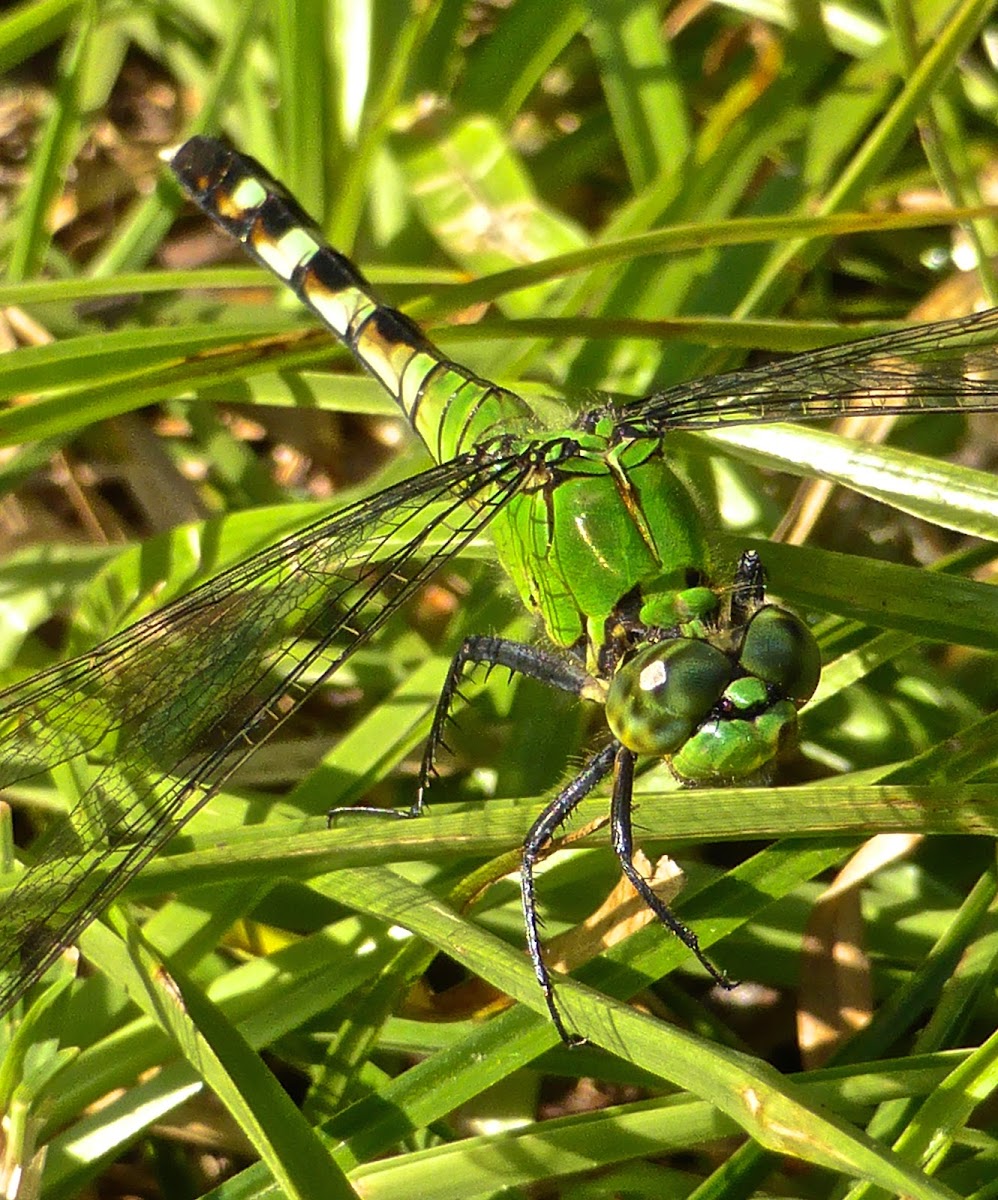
(658, 698)
(780, 649)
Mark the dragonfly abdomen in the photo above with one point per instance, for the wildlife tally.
(450, 407)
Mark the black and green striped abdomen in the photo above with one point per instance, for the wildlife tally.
(450, 407)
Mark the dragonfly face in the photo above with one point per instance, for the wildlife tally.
(597, 532)
(717, 709)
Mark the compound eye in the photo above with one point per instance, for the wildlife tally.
(780, 650)
(660, 696)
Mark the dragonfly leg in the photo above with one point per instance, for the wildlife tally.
(622, 839)
(538, 838)
(493, 652)
(748, 592)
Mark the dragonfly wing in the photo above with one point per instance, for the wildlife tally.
(170, 707)
(944, 366)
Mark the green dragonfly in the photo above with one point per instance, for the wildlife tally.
(604, 542)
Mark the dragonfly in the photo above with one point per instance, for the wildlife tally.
(606, 545)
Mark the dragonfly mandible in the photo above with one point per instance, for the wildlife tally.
(603, 541)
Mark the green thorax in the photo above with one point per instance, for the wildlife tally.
(613, 521)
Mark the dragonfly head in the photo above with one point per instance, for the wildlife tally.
(716, 713)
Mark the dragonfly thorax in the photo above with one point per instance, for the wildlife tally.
(606, 544)
(596, 526)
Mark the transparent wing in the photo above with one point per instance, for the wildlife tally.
(167, 709)
(944, 367)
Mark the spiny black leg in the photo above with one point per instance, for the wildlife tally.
(749, 589)
(622, 838)
(494, 652)
(368, 810)
(538, 837)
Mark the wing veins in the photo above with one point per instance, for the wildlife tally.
(32, 933)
